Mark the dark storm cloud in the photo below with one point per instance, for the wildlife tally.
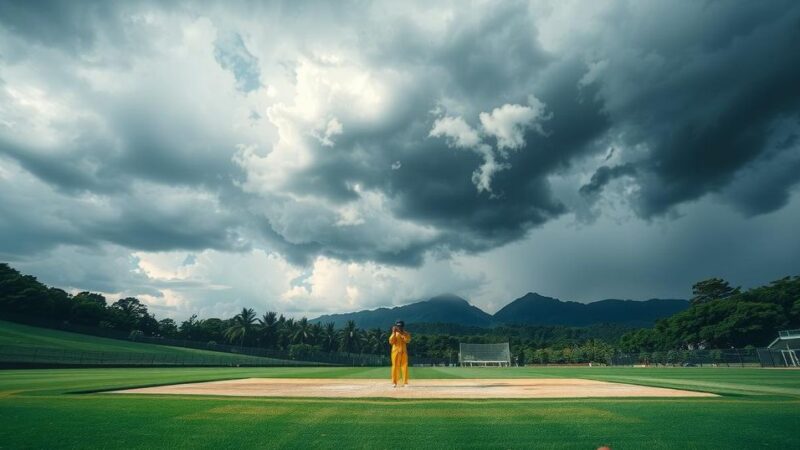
(163, 143)
(490, 58)
(689, 93)
(34, 218)
(603, 176)
(707, 99)
(56, 23)
(765, 185)
(146, 154)
(65, 173)
(433, 186)
(168, 231)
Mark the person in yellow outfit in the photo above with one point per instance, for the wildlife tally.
(399, 340)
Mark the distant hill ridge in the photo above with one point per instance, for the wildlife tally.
(531, 309)
(446, 308)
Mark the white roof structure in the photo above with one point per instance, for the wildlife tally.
(787, 339)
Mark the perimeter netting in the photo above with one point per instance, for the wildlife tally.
(484, 354)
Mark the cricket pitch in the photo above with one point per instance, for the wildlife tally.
(528, 388)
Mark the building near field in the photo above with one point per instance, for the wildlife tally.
(783, 351)
(484, 354)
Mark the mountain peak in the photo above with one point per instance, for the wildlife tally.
(530, 309)
(535, 296)
(536, 309)
(444, 308)
(447, 298)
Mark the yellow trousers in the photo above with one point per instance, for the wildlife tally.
(399, 364)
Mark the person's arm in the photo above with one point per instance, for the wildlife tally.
(393, 338)
(406, 336)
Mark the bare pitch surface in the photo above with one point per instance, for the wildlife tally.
(419, 389)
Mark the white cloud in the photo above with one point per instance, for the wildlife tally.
(457, 131)
(482, 176)
(325, 96)
(333, 128)
(334, 286)
(508, 123)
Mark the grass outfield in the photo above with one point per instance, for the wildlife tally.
(758, 408)
(14, 334)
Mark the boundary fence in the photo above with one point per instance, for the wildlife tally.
(741, 357)
(777, 357)
(25, 356)
(333, 358)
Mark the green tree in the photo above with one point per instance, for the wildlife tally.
(130, 314)
(544, 356)
(268, 330)
(167, 328)
(242, 325)
(88, 309)
(712, 289)
(329, 339)
(672, 357)
(301, 351)
(348, 337)
(377, 341)
(285, 331)
(657, 358)
(303, 332)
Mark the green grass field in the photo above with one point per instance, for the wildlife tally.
(63, 408)
(43, 409)
(53, 343)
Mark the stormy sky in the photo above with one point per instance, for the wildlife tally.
(315, 157)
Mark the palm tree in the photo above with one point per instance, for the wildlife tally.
(268, 329)
(285, 331)
(362, 341)
(349, 337)
(316, 333)
(242, 325)
(328, 337)
(376, 341)
(302, 333)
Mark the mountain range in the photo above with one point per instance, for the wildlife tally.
(531, 309)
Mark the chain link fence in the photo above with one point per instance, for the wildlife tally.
(734, 357)
(300, 353)
(778, 357)
(26, 356)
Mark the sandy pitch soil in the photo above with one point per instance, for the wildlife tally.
(443, 389)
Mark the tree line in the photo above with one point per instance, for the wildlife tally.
(24, 295)
(720, 317)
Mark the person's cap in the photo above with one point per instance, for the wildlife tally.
(400, 323)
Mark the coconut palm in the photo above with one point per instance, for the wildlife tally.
(303, 332)
(242, 325)
(268, 329)
(376, 341)
(285, 332)
(348, 337)
(328, 337)
(316, 332)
